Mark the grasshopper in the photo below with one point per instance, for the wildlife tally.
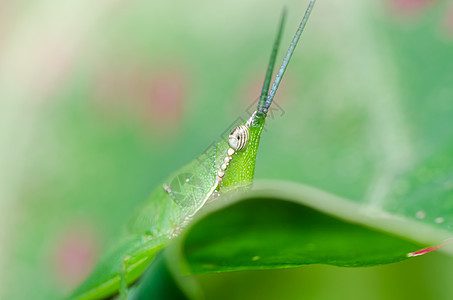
(227, 166)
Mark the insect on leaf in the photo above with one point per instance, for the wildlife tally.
(225, 167)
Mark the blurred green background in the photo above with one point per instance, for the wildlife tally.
(101, 100)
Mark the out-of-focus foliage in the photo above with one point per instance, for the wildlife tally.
(101, 100)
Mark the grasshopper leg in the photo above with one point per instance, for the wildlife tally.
(123, 278)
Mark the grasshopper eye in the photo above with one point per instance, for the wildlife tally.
(239, 137)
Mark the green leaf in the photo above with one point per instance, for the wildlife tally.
(283, 224)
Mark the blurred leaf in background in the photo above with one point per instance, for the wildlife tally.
(99, 101)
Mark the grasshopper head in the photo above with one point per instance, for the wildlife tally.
(242, 144)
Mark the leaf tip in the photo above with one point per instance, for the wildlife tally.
(428, 249)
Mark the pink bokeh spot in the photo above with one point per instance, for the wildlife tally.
(75, 256)
(449, 21)
(155, 96)
(410, 6)
(165, 98)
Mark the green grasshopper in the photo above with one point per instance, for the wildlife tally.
(227, 166)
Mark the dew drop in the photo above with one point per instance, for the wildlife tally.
(420, 214)
(439, 220)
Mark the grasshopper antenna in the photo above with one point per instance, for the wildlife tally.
(264, 105)
(271, 65)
